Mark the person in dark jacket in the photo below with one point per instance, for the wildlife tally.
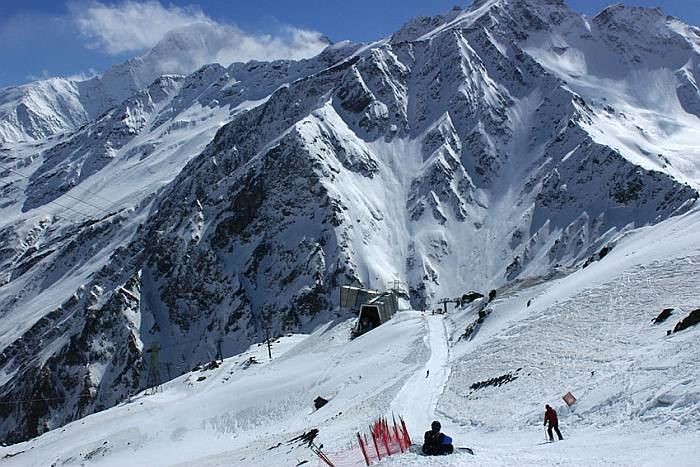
(550, 415)
(436, 443)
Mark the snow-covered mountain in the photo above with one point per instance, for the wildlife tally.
(590, 333)
(501, 145)
(45, 108)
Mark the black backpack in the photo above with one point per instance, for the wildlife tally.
(433, 441)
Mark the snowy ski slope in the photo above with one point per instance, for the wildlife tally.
(502, 144)
(589, 333)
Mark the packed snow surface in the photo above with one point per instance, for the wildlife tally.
(589, 333)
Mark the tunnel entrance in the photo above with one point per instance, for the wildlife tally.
(369, 317)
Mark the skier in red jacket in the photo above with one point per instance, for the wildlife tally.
(550, 415)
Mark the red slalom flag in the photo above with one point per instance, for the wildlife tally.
(569, 399)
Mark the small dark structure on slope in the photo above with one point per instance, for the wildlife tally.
(352, 298)
(492, 295)
(373, 308)
(470, 297)
(376, 312)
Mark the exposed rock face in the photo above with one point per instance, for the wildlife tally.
(450, 157)
(691, 320)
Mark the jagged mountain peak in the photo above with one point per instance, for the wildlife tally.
(620, 12)
(530, 13)
(39, 109)
(195, 35)
(638, 19)
(479, 4)
(519, 6)
(649, 26)
(420, 25)
(523, 17)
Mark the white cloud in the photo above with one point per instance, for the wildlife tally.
(184, 37)
(44, 74)
(130, 26)
(185, 49)
(201, 43)
(82, 75)
(170, 39)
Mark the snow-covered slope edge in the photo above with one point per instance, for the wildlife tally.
(637, 388)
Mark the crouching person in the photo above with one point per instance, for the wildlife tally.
(436, 443)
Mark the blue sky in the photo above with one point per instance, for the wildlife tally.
(40, 38)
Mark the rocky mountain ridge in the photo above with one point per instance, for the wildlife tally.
(45, 108)
(456, 155)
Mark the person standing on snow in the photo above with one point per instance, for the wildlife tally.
(436, 443)
(550, 415)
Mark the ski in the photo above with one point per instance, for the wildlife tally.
(417, 449)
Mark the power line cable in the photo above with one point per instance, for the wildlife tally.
(64, 194)
(66, 207)
(20, 401)
(110, 202)
(95, 194)
(46, 211)
(70, 209)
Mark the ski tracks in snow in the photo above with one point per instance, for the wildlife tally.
(417, 400)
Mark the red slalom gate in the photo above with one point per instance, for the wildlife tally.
(363, 448)
(321, 455)
(388, 440)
